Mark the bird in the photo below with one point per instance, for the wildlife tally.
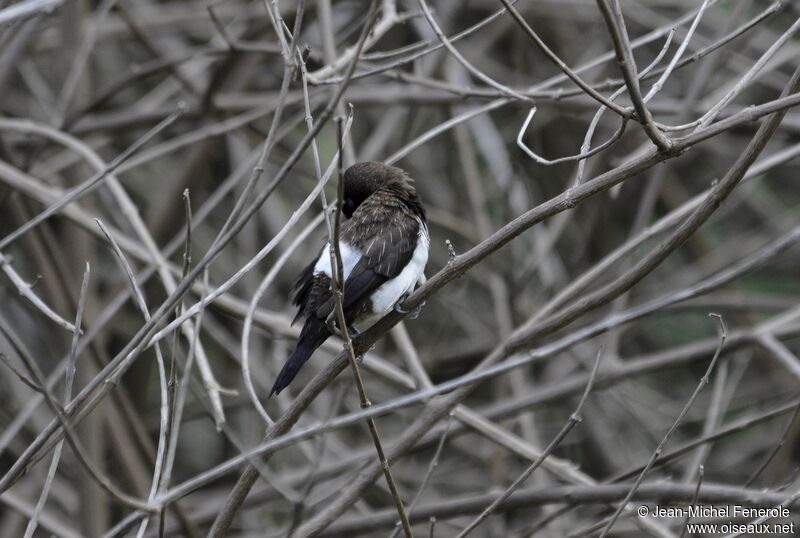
(383, 243)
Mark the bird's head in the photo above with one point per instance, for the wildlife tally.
(362, 179)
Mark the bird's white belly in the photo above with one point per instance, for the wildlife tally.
(350, 257)
(385, 297)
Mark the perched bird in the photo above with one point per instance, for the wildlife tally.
(384, 249)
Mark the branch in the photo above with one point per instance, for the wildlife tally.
(622, 48)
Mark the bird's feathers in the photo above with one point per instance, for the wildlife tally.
(376, 245)
(385, 297)
(314, 333)
(350, 257)
(384, 249)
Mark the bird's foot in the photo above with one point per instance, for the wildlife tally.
(398, 307)
(360, 359)
(330, 322)
(333, 326)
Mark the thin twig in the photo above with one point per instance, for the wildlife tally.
(529, 498)
(709, 116)
(337, 289)
(70, 379)
(657, 452)
(26, 291)
(775, 449)
(775, 348)
(585, 152)
(533, 36)
(428, 474)
(28, 8)
(622, 48)
(463, 61)
(163, 427)
(90, 183)
(21, 376)
(248, 477)
(193, 310)
(248, 320)
(574, 419)
(484, 372)
(700, 475)
(71, 439)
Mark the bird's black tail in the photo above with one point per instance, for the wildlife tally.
(314, 333)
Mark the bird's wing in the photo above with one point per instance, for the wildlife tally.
(303, 287)
(312, 287)
(383, 257)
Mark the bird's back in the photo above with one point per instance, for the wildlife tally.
(384, 249)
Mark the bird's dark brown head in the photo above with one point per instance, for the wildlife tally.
(363, 179)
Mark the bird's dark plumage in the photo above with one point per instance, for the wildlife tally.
(384, 247)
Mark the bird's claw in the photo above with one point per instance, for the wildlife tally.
(330, 322)
(399, 308)
(417, 311)
(333, 326)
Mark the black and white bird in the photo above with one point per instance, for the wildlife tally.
(384, 248)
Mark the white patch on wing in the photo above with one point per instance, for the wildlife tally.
(350, 257)
(385, 297)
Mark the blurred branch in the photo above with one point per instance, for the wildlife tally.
(574, 419)
(662, 492)
(657, 452)
(28, 8)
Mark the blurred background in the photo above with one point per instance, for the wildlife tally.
(151, 115)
